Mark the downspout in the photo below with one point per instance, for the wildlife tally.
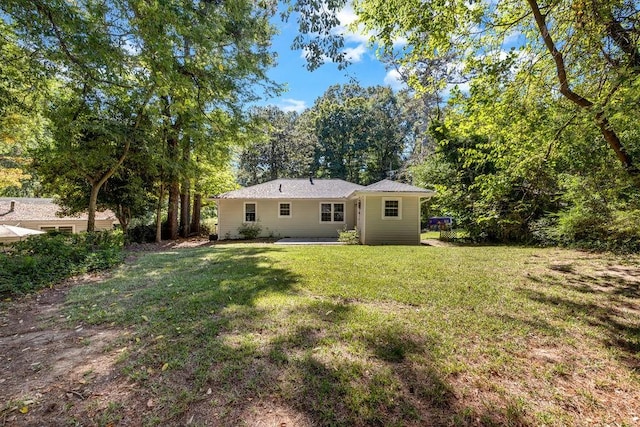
(363, 221)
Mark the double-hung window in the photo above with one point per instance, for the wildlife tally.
(250, 212)
(391, 208)
(284, 210)
(331, 212)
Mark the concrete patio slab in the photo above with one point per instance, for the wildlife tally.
(309, 241)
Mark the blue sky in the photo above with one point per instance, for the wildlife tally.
(304, 86)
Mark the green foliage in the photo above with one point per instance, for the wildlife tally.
(141, 233)
(282, 147)
(483, 186)
(42, 261)
(250, 230)
(362, 133)
(164, 83)
(359, 134)
(350, 237)
(593, 218)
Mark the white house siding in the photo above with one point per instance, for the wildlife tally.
(378, 231)
(304, 220)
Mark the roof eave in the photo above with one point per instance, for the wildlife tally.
(393, 193)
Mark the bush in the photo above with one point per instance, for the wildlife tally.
(618, 231)
(350, 237)
(249, 231)
(141, 233)
(45, 260)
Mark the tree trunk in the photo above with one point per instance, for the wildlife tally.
(195, 219)
(172, 209)
(123, 214)
(185, 205)
(173, 153)
(93, 206)
(174, 186)
(159, 214)
(185, 199)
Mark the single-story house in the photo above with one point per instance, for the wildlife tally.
(386, 212)
(43, 215)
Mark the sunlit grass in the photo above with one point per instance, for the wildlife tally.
(359, 335)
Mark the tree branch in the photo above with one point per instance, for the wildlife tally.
(602, 121)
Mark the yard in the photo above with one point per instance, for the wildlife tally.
(257, 334)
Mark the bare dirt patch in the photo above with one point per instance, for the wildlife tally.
(53, 372)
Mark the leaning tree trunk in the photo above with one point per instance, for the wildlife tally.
(93, 206)
(96, 185)
(123, 213)
(607, 131)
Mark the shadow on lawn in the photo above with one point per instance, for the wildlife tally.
(607, 299)
(205, 351)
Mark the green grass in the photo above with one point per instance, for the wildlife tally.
(359, 335)
(430, 235)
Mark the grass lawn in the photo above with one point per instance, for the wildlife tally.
(242, 334)
(429, 235)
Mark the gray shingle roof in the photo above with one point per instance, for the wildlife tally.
(295, 189)
(36, 209)
(386, 185)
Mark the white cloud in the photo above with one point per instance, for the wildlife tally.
(347, 16)
(355, 54)
(463, 87)
(400, 41)
(290, 104)
(394, 80)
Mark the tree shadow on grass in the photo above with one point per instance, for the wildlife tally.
(608, 299)
(206, 348)
(347, 366)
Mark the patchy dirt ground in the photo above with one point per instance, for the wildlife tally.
(54, 373)
(50, 370)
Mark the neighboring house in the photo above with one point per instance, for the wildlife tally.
(386, 212)
(42, 214)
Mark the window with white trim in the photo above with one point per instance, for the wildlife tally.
(331, 212)
(250, 212)
(61, 228)
(284, 210)
(391, 208)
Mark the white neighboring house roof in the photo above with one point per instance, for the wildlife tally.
(16, 209)
(11, 231)
(320, 189)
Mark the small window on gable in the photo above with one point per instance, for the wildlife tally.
(250, 212)
(331, 212)
(391, 209)
(284, 210)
